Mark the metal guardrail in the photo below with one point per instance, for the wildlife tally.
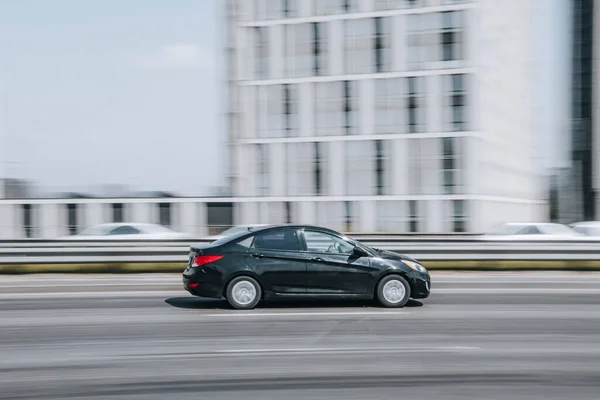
(61, 252)
(358, 236)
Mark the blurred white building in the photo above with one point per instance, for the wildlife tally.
(383, 115)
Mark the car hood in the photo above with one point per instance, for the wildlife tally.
(390, 255)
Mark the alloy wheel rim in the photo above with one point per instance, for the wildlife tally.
(394, 291)
(243, 293)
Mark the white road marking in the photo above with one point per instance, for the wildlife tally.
(303, 314)
(83, 295)
(523, 290)
(182, 293)
(347, 349)
(107, 284)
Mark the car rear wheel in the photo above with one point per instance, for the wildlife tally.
(243, 293)
(393, 291)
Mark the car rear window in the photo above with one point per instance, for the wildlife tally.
(229, 238)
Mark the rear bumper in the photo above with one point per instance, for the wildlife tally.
(202, 283)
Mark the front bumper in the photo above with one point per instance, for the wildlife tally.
(420, 286)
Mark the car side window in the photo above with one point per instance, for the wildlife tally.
(124, 230)
(282, 239)
(319, 242)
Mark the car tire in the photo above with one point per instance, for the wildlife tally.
(393, 291)
(243, 293)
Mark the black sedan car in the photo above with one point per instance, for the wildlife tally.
(301, 261)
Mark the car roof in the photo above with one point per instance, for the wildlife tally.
(253, 230)
(115, 224)
(293, 226)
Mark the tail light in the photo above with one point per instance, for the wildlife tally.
(201, 261)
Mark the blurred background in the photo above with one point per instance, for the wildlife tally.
(391, 116)
(460, 132)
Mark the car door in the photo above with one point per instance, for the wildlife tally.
(331, 266)
(276, 257)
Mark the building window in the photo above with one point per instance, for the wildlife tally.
(219, 216)
(389, 105)
(390, 216)
(72, 223)
(349, 6)
(360, 169)
(329, 104)
(28, 224)
(331, 214)
(299, 50)
(117, 213)
(382, 45)
(451, 36)
(261, 53)
(319, 187)
(351, 111)
(350, 216)
(288, 212)
(260, 9)
(274, 9)
(275, 110)
(263, 169)
(290, 8)
(359, 36)
(450, 165)
(413, 217)
(415, 106)
(164, 214)
(456, 105)
(290, 110)
(459, 216)
(328, 7)
(382, 5)
(416, 175)
(414, 3)
(420, 36)
(381, 167)
(300, 179)
(320, 48)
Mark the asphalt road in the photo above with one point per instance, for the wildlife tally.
(479, 336)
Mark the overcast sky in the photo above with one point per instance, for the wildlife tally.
(112, 91)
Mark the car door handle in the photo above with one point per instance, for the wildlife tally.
(256, 255)
(316, 259)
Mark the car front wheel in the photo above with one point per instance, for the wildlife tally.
(393, 291)
(243, 293)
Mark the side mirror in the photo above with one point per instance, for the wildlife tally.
(358, 252)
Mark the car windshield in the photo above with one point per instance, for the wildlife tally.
(360, 244)
(506, 230)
